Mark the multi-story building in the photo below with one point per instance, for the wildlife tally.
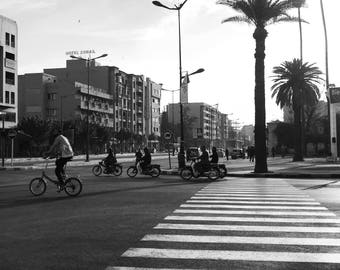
(112, 97)
(8, 71)
(207, 124)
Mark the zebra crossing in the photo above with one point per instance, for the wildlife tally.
(241, 224)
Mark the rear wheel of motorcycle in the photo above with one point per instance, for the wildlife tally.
(223, 172)
(186, 174)
(97, 170)
(117, 170)
(132, 171)
(155, 172)
(214, 174)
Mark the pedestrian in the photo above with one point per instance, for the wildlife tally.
(227, 153)
(273, 151)
(251, 153)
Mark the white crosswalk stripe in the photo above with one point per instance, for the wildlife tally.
(244, 221)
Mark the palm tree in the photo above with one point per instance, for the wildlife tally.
(260, 13)
(296, 85)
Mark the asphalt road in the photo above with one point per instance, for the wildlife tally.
(104, 226)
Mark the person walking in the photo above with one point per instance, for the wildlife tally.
(227, 153)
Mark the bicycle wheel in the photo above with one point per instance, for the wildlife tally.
(214, 174)
(117, 170)
(132, 171)
(37, 186)
(223, 172)
(73, 186)
(186, 174)
(97, 170)
(155, 172)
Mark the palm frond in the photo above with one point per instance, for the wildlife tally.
(237, 19)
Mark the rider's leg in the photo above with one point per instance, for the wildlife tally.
(59, 169)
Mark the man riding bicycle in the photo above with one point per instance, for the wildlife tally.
(63, 148)
(204, 160)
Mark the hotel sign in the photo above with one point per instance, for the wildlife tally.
(334, 94)
(80, 52)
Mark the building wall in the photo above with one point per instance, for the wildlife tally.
(9, 71)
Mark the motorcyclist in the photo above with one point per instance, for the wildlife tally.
(203, 160)
(146, 159)
(110, 160)
(214, 156)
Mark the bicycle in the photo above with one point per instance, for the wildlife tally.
(72, 185)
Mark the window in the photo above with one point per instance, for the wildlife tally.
(10, 56)
(7, 39)
(13, 41)
(10, 78)
(12, 98)
(7, 97)
(51, 96)
(51, 112)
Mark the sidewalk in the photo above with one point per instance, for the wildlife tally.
(277, 167)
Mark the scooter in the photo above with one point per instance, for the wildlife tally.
(115, 169)
(153, 170)
(210, 171)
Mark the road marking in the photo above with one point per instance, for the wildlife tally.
(256, 219)
(243, 240)
(320, 208)
(243, 212)
(247, 228)
(197, 196)
(252, 202)
(255, 195)
(225, 255)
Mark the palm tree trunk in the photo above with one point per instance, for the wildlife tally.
(260, 35)
(297, 127)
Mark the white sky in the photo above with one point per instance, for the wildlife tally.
(141, 38)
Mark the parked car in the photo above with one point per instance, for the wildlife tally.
(236, 153)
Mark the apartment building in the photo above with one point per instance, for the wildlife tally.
(8, 71)
(113, 98)
(207, 124)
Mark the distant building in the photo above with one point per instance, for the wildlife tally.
(8, 71)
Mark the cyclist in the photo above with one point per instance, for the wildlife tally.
(62, 147)
(204, 160)
(110, 160)
(146, 159)
(214, 156)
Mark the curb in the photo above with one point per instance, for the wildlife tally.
(285, 175)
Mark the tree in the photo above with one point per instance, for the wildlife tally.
(296, 85)
(260, 13)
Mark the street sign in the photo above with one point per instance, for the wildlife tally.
(334, 95)
(167, 135)
(12, 133)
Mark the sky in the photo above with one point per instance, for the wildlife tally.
(141, 38)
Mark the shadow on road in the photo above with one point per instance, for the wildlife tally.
(321, 186)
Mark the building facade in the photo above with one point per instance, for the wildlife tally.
(113, 98)
(8, 72)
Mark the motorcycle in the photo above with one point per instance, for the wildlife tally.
(210, 171)
(153, 170)
(115, 169)
(222, 169)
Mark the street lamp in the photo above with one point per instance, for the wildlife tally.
(181, 161)
(3, 139)
(88, 60)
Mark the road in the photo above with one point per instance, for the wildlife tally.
(118, 222)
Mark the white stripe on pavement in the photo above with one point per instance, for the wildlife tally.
(242, 240)
(252, 202)
(142, 268)
(271, 213)
(255, 219)
(197, 196)
(233, 255)
(255, 195)
(247, 228)
(319, 208)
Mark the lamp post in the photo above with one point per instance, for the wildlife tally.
(181, 162)
(3, 139)
(88, 61)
